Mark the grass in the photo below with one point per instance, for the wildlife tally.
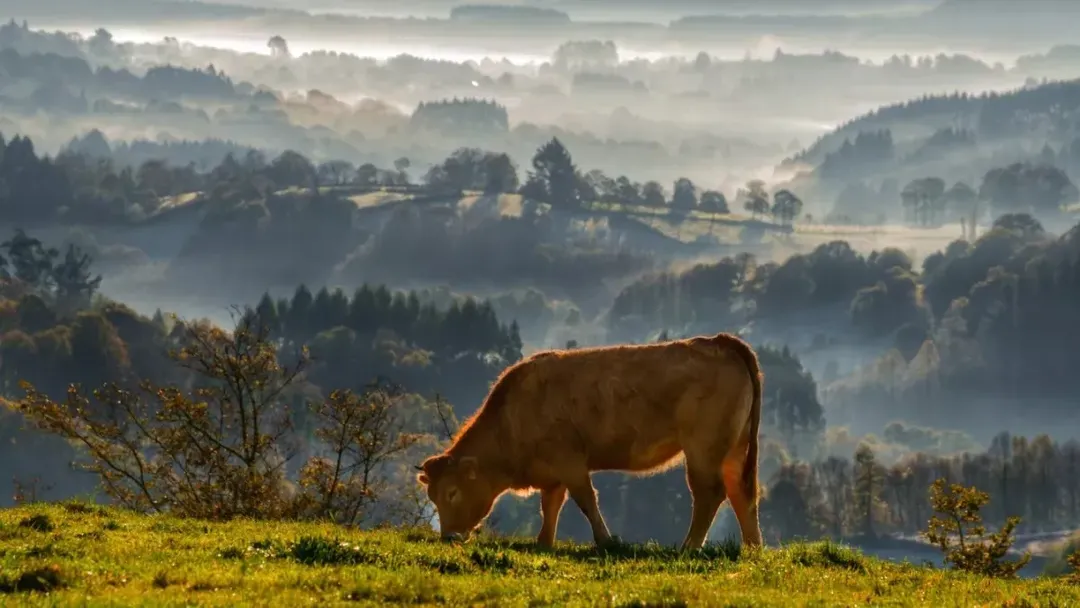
(78, 554)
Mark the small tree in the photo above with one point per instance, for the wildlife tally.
(757, 199)
(713, 202)
(554, 168)
(73, 282)
(653, 194)
(961, 535)
(786, 206)
(869, 481)
(1074, 562)
(685, 196)
(401, 170)
(217, 451)
(363, 435)
(278, 47)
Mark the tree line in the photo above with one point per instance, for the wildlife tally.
(1034, 479)
(85, 184)
(56, 331)
(1038, 189)
(344, 342)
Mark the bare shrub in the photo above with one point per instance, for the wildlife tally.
(220, 448)
(215, 451)
(363, 442)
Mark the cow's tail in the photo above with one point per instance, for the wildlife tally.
(753, 366)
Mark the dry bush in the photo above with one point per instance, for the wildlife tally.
(220, 448)
(962, 537)
(216, 451)
(364, 439)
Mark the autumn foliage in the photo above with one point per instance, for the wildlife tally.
(221, 445)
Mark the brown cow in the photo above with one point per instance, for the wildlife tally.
(556, 416)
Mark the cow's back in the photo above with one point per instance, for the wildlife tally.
(625, 407)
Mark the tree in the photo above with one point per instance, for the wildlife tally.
(604, 188)
(30, 260)
(291, 169)
(366, 175)
(75, 284)
(684, 195)
(401, 167)
(474, 169)
(963, 196)
(627, 192)
(836, 476)
(757, 199)
(554, 169)
(1021, 224)
(713, 202)
(959, 518)
(923, 200)
(869, 481)
(965, 201)
(500, 174)
(216, 452)
(278, 47)
(362, 435)
(652, 194)
(1026, 187)
(585, 55)
(155, 176)
(534, 189)
(1074, 562)
(335, 172)
(786, 206)
(792, 504)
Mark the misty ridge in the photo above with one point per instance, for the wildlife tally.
(716, 121)
(896, 236)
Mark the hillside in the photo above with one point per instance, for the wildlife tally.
(991, 116)
(82, 553)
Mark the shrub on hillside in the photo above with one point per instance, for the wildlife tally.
(220, 448)
(961, 535)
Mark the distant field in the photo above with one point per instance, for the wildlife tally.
(86, 555)
(724, 228)
(379, 197)
(509, 205)
(175, 202)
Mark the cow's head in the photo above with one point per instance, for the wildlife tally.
(462, 495)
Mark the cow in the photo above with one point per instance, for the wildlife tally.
(553, 418)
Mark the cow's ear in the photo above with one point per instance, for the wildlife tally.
(469, 465)
(423, 478)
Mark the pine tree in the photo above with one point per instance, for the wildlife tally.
(869, 479)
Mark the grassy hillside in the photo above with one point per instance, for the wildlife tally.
(89, 555)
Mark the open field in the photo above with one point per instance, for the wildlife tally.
(724, 229)
(76, 554)
(377, 198)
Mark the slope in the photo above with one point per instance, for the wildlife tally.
(81, 554)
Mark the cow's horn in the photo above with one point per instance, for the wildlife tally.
(418, 467)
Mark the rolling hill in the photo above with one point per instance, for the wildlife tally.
(74, 554)
(990, 116)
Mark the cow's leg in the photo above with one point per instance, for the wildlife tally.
(584, 494)
(743, 495)
(551, 503)
(707, 491)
